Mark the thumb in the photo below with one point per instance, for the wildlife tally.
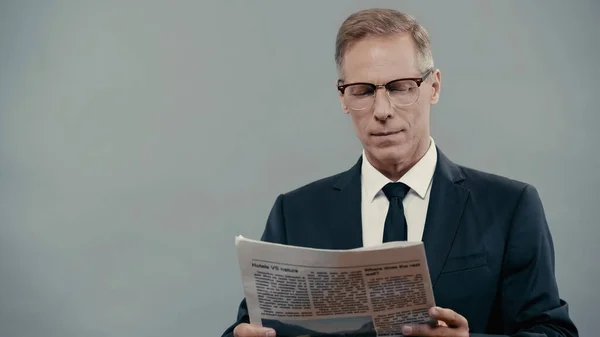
(249, 330)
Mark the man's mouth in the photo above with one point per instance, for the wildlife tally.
(385, 133)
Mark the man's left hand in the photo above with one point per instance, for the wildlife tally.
(451, 324)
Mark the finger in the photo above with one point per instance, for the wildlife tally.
(249, 330)
(451, 317)
(425, 330)
(433, 323)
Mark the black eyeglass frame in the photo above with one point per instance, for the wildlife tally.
(417, 80)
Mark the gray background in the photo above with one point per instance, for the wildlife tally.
(137, 138)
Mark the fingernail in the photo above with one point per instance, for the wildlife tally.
(406, 330)
(434, 311)
(270, 333)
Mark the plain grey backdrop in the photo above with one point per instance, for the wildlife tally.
(138, 138)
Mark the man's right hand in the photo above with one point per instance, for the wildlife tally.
(249, 330)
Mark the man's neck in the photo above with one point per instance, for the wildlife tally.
(395, 171)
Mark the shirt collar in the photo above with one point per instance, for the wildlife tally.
(418, 178)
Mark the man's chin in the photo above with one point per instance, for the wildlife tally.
(388, 154)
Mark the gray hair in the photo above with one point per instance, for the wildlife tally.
(383, 22)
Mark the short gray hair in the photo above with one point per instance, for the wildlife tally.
(383, 22)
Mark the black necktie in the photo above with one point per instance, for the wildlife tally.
(395, 228)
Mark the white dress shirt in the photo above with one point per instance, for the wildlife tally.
(375, 204)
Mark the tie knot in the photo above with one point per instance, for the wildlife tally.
(397, 190)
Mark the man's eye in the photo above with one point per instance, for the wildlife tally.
(361, 91)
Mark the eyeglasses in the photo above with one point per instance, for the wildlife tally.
(402, 92)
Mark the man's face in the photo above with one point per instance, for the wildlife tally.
(390, 134)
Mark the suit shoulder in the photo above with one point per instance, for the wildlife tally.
(493, 183)
(315, 186)
(499, 194)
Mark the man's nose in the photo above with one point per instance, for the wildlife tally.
(382, 107)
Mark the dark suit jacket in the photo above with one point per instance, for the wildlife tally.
(489, 250)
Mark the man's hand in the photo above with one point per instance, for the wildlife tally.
(450, 324)
(248, 330)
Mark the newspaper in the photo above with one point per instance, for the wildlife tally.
(370, 291)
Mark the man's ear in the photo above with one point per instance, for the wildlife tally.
(344, 107)
(341, 98)
(436, 84)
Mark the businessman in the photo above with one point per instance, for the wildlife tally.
(489, 250)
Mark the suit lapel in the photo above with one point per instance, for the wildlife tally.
(446, 205)
(345, 219)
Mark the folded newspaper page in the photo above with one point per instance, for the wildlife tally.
(370, 291)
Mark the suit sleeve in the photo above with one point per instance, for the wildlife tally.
(274, 232)
(531, 305)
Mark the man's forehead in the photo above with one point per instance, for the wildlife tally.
(378, 59)
(379, 72)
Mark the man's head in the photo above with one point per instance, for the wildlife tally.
(378, 46)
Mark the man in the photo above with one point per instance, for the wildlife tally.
(489, 250)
